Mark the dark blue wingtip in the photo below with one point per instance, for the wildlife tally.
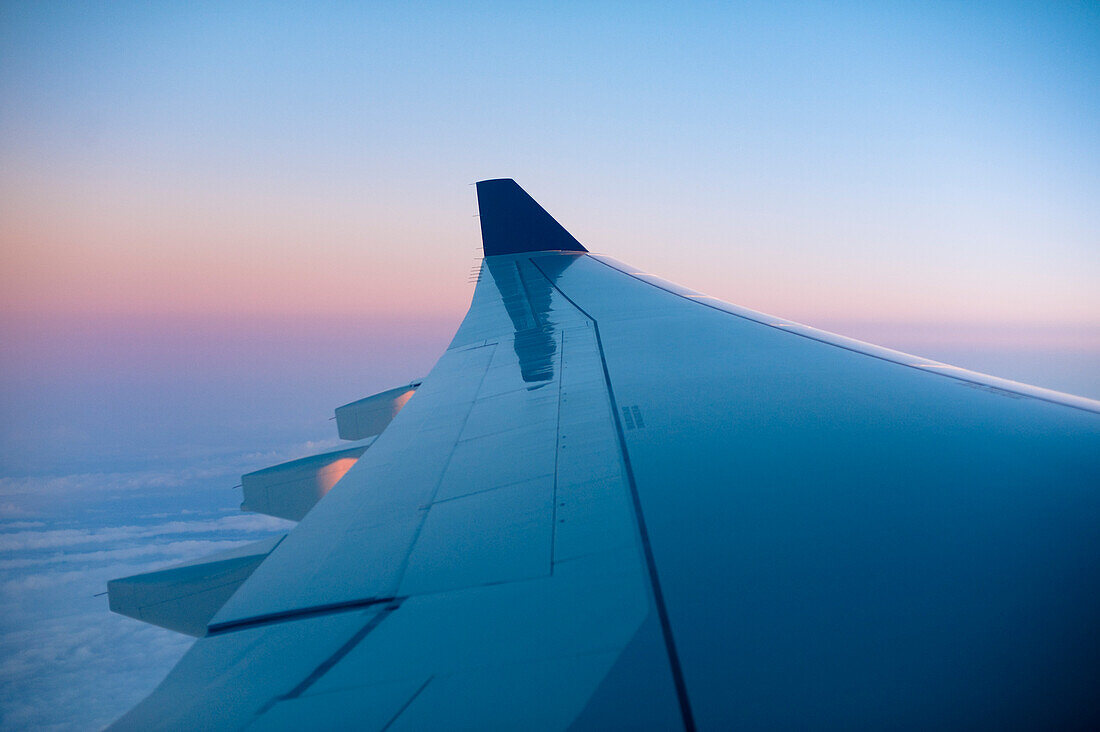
(512, 223)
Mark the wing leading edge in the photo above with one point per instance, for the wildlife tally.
(617, 503)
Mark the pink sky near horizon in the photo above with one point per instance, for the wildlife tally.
(918, 176)
(120, 250)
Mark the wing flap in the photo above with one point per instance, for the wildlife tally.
(291, 489)
(371, 415)
(185, 597)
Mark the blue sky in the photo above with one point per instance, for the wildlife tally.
(927, 161)
(218, 221)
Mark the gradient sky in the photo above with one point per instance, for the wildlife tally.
(902, 161)
(218, 221)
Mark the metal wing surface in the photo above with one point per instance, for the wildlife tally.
(616, 503)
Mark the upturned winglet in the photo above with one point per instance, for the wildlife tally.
(513, 223)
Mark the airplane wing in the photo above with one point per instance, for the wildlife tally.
(615, 503)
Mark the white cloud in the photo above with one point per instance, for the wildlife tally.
(87, 482)
(177, 550)
(181, 512)
(83, 483)
(290, 452)
(66, 662)
(9, 510)
(56, 538)
(17, 525)
(81, 672)
(222, 469)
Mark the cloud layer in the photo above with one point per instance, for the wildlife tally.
(66, 662)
